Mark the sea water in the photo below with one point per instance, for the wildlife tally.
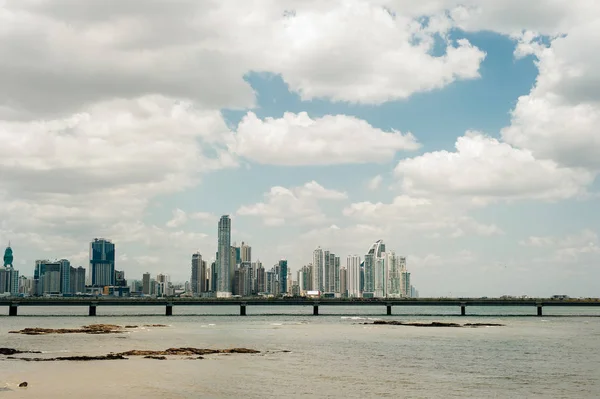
(333, 355)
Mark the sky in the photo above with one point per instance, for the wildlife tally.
(464, 133)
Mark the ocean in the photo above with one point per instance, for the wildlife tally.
(332, 355)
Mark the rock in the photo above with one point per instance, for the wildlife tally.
(23, 384)
(155, 325)
(131, 326)
(11, 351)
(156, 357)
(186, 352)
(90, 329)
(432, 324)
(72, 358)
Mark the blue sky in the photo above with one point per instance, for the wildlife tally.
(463, 138)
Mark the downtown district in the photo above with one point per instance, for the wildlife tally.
(379, 274)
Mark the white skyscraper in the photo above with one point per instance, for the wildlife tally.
(317, 272)
(353, 275)
(393, 275)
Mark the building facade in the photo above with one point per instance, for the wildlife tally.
(102, 263)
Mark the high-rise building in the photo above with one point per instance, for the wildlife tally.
(261, 278)
(336, 275)
(146, 284)
(375, 270)
(233, 264)
(77, 280)
(283, 275)
(394, 277)
(198, 281)
(224, 266)
(317, 271)
(120, 280)
(47, 277)
(343, 282)
(9, 277)
(353, 276)
(246, 252)
(65, 276)
(102, 262)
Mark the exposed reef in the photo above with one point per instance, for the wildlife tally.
(12, 351)
(147, 354)
(432, 324)
(90, 329)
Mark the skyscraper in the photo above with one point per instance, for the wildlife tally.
(353, 276)
(246, 252)
(102, 262)
(224, 272)
(283, 274)
(317, 272)
(198, 279)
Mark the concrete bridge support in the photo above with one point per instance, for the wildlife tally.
(92, 310)
(539, 309)
(463, 309)
(169, 309)
(389, 310)
(315, 310)
(243, 309)
(12, 310)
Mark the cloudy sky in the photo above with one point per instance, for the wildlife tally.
(464, 133)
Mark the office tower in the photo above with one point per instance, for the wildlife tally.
(305, 279)
(369, 273)
(353, 276)
(213, 277)
(317, 270)
(146, 284)
(65, 276)
(26, 285)
(120, 278)
(246, 252)
(47, 277)
(8, 257)
(77, 280)
(261, 283)
(336, 275)
(244, 280)
(327, 271)
(290, 282)
(343, 282)
(375, 270)
(198, 278)
(9, 277)
(224, 272)
(233, 263)
(102, 262)
(283, 275)
(394, 277)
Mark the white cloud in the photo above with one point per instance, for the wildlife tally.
(375, 182)
(559, 119)
(297, 139)
(358, 51)
(485, 169)
(298, 204)
(567, 248)
(407, 215)
(179, 218)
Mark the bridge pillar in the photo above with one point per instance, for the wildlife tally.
(463, 309)
(539, 309)
(169, 309)
(243, 309)
(92, 311)
(12, 310)
(389, 310)
(315, 310)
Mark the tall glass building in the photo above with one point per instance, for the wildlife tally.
(224, 266)
(102, 262)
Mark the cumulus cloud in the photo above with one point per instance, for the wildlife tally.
(559, 119)
(485, 169)
(297, 139)
(412, 214)
(375, 182)
(298, 204)
(567, 248)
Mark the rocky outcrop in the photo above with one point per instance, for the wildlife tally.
(24, 384)
(156, 357)
(432, 324)
(12, 351)
(186, 352)
(110, 356)
(91, 329)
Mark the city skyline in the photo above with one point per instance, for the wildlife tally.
(463, 137)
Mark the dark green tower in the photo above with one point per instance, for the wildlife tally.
(8, 257)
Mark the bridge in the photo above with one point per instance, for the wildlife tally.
(92, 303)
